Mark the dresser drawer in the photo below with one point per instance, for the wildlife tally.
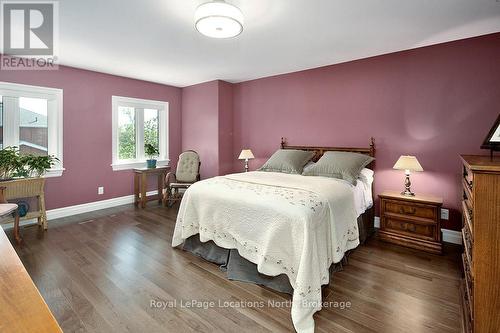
(410, 209)
(468, 177)
(469, 283)
(466, 307)
(467, 216)
(468, 244)
(408, 228)
(467, 193)
(468, 272)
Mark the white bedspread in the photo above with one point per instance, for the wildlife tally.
(286, 224)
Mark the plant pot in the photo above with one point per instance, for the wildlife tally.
(151, 164)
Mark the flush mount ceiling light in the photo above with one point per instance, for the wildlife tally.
(218, 19)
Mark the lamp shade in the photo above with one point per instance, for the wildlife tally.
(406, 162)
(246, 154)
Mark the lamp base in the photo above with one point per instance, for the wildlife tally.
(407, 190)
(408, 193)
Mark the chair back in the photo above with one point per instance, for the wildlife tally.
(188, 167)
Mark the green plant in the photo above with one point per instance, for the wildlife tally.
(37, 165)
(12, 164)
(151, 151)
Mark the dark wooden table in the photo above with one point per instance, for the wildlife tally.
(141, 184)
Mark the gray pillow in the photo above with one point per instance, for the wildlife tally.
(287, 161)
(309, 165)
(341, 165)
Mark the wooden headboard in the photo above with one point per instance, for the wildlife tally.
(319, 151)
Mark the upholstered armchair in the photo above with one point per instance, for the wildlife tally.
(7, 209)
(186, 174)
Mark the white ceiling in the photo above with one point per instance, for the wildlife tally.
(155, 40)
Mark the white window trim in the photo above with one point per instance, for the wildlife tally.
(54, 123)
(137, 103)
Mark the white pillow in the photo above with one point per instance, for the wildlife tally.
(366, 176)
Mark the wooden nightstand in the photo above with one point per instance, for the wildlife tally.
(411, 221)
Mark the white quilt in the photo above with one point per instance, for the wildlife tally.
(286, 224)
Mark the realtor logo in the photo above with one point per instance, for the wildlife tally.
(29, 31)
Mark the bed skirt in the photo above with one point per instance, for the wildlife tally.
(240, 269)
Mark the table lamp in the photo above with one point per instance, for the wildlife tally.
(408, 163)
(246, 154)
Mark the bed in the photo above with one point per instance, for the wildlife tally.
(285, 231)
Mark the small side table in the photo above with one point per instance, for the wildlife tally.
(411, 221)
(141, 184)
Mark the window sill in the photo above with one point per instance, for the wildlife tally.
(54, 173)
(133, 165)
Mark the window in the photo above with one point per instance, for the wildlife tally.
(31, 118)
(135, 123)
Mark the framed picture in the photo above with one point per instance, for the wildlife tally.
(492, 141)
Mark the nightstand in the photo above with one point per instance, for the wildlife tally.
(412, 221)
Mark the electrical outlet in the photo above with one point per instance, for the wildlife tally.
(445, 214)
(100, 190)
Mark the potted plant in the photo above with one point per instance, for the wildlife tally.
(14, 165)
(151, 152)
(36, 166)
(10, 163)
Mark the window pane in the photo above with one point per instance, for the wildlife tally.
(126, 134)
(33, 130)
(151, 127)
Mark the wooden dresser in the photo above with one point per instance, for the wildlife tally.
(480, 289)
(412, 221)
(22, 308)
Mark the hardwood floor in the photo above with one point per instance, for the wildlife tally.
(98, 272)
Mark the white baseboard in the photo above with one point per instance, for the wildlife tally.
(452, 236)
(449, 236)
(92, 206)
(57, 213)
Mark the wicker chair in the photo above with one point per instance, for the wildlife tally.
(7, 209)
(187, 173)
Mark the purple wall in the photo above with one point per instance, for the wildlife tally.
(435, 102)
(226, 156)
(207, 125)
(87, 130)
(200, 124)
